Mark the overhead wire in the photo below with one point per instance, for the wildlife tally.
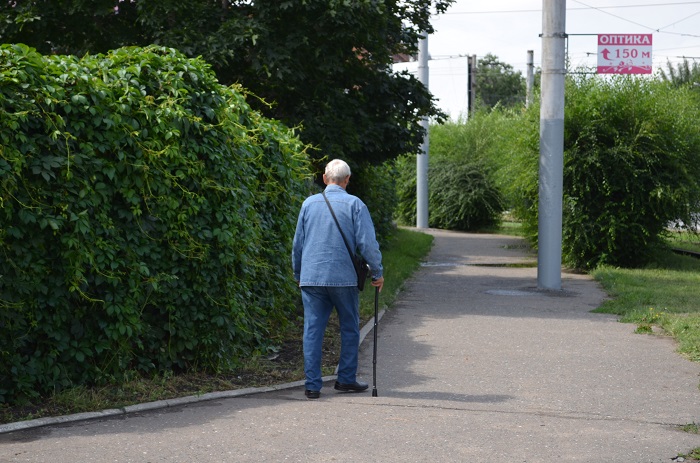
(642, 25)
(613, 15)
(587, 7)
(572, 9)
(601, 9)
(679, 21)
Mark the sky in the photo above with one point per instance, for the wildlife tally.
(509, 28)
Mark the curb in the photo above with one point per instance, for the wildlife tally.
(159, 404)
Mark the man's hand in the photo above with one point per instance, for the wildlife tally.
(379, 283)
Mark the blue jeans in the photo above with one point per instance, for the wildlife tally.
(318, 304)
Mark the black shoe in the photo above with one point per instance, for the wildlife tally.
(357, 386)
(312, 394)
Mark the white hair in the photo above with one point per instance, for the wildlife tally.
(337, 170)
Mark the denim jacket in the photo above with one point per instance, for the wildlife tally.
(319, 256)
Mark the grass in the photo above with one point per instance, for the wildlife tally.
(692, 428)
(510, 227)
(684, 240)
(401, 257)
(665, 294)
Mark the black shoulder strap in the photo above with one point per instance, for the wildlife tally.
(347, 246)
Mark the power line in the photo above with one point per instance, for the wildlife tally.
(674, 48)
(443, 57)
(601, 9)
(688, 5)
(638, 24)
(572, 9)
(680, 20)
(614, 15)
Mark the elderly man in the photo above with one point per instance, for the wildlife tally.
(325, 273)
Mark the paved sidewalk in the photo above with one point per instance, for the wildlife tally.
(475, 365)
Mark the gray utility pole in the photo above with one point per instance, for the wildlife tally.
(530, 79)
(472, 90)
(422, 158)
(471, 82)
(551, 145)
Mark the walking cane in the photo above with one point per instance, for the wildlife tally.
(374, 360)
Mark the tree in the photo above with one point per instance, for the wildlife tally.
(498, 84)
(684, 73)
(321, 65)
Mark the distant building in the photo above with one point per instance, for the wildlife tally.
(404, 58)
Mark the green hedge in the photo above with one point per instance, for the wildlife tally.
(146, 219)
(376, 186)
(631, 168)
(461, 194)
(406, 190)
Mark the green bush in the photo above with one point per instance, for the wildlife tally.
(631, 168)
(461, 195)
(146, 219)
(406, 193)
(468, 179)
(375, 185)
(517, 174)
(495, 138)
(631, 148)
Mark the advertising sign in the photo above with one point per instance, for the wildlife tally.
(624, 54)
